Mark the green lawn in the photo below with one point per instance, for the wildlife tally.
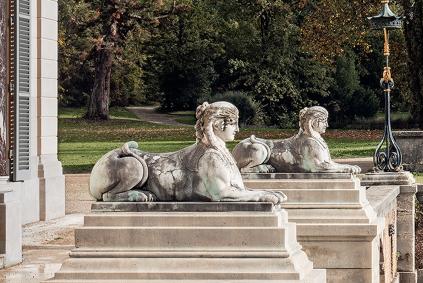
(82, 143)
(419, 178)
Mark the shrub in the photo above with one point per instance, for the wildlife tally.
(250, 112)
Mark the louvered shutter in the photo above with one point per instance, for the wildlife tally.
(22, 166)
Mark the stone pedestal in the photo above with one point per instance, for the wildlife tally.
(10, 225)
(52, 188)
(335, 222)
(411, 143)
(405, 217)
(179, 242)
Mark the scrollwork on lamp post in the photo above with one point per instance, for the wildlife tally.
(387, 156)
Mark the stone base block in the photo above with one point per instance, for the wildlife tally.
(387, 178)
(10, 226)
(329, 198)
(335, 221)
(408, 277)
(52, 188)
(354, 275)
(315, 276)
(252, 242)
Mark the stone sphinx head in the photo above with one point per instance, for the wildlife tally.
(313, 120)
(217, 123)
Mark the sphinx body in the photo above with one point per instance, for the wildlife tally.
(204, 171)
(306, 152)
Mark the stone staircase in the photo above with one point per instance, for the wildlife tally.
(336, 224)
(187, 242)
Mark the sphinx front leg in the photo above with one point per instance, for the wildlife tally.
(274, 197)
(131, 195)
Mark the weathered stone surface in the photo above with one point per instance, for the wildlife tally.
(406, 229)
(190, 246)
(205, 171)
(320, 200)
(411, 144)
(407, 277)
(337, 224)
(419, 194)
(305, 152)
(180, 206)
(10, 225)
(297, 176)
(181, 219)
(387, 178)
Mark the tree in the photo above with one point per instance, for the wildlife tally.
(107, 26)
(413, 31)
(182, 53)
(114, 20)
(349, 98)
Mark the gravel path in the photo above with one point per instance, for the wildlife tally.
(150, 114)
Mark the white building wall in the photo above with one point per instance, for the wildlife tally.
(43, 195)
(52, 181)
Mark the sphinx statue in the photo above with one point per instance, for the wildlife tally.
(204, 171)
(306, 152)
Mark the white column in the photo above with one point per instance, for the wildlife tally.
(52, 181)
(10, 223)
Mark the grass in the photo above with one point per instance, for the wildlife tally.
(419, 178)
(184, 117)
(82, 142)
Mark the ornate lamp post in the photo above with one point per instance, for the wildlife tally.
(387, 156)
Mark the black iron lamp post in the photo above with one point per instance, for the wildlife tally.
(388, 155)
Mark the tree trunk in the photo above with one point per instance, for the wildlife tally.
(413, 31)
(98, 107)
(3, 88)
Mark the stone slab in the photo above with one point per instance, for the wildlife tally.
(296, 176)
(181, 206)
(166, 219)
(354, 275)
(298, 184)
(408, 277)
(382, 198)
(179, 268)
(387, 178)
(183, 237)
(411, 143)
(251, 251)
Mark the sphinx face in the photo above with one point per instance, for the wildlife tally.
(228, 133)
(320, 125)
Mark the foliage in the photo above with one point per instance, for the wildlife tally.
(250, 112)
(413, 32)
(284, 55)
(349, 98)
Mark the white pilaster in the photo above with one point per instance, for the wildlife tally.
(52, 181)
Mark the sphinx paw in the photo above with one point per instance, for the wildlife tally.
(282, 197)
(273, 197)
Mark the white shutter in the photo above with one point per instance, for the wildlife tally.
(22, 166)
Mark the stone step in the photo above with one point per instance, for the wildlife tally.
(315, 276)
(338, 230)
(177, 253)
(182, 268)
(327, 215)
(322, 196)
(101, 206)
(236, 219)
(299, 176)
(280, 184)
(184, 237)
